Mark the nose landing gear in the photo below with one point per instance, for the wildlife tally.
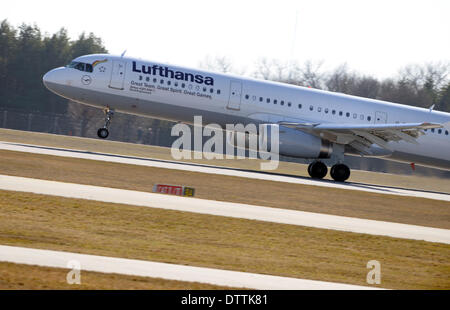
(103, 132)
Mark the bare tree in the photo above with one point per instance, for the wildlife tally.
(264, 69)
(219, 64)
(311, 75)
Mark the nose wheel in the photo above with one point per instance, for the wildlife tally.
(103, 132)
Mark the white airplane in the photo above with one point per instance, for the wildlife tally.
(312, 123)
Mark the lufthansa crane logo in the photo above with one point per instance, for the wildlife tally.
(86, 79)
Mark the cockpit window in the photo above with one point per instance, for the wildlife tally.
(80, 66)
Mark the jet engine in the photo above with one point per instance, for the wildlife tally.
(286, 141)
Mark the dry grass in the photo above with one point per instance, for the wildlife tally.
(114, 147)
(408, 210)
(26, 277)
(90, 227)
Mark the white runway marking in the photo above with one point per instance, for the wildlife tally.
(149, 162)
(235, 210)
(58, 259)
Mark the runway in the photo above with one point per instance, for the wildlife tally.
(220, 208)
(58, 259)
(149, 162)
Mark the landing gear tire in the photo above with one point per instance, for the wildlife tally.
(103, 133)
(340, 172)
(317, 170)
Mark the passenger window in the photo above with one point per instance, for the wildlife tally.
(446, 132)
(326, 111)
(268, 100)
(282, 102)
(361, 117)
(168, 82)
(369, 118)
(311, 108)
(155, 80)
(260, 99)
(355, 115)
(333, 112)
(340, 113)
(147, 79)
(140, 77)
(439, 131)
(347, 114)
(211, 90)
(299, 105)
(274, 101)
(246, 96)
(218, 91)
(289, 104)
(319, 109)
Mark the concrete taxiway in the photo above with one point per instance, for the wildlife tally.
(149, 162)
(220, 208)
(58, 259)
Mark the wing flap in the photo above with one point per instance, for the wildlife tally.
(361, 136)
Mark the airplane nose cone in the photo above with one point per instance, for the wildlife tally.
(49, 78)
(54, 80)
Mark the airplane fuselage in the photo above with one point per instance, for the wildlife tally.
(178, 94)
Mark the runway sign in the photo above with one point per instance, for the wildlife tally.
(173, 190)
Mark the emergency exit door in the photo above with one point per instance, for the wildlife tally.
(117, 74)
(234, 101)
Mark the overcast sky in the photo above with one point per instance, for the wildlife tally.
(373, 37)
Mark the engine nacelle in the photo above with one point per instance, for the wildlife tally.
(291, 142)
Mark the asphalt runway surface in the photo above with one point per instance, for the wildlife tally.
(221, 208)
(59, 259)
(150, 162)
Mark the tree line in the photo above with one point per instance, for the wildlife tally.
(26, 54)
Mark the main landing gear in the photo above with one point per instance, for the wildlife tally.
(339, 172)
(104, 132)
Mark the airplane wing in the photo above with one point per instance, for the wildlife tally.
(362, 136)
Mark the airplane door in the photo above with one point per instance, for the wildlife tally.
(117, 74)
(234, 102)
(380, 117)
